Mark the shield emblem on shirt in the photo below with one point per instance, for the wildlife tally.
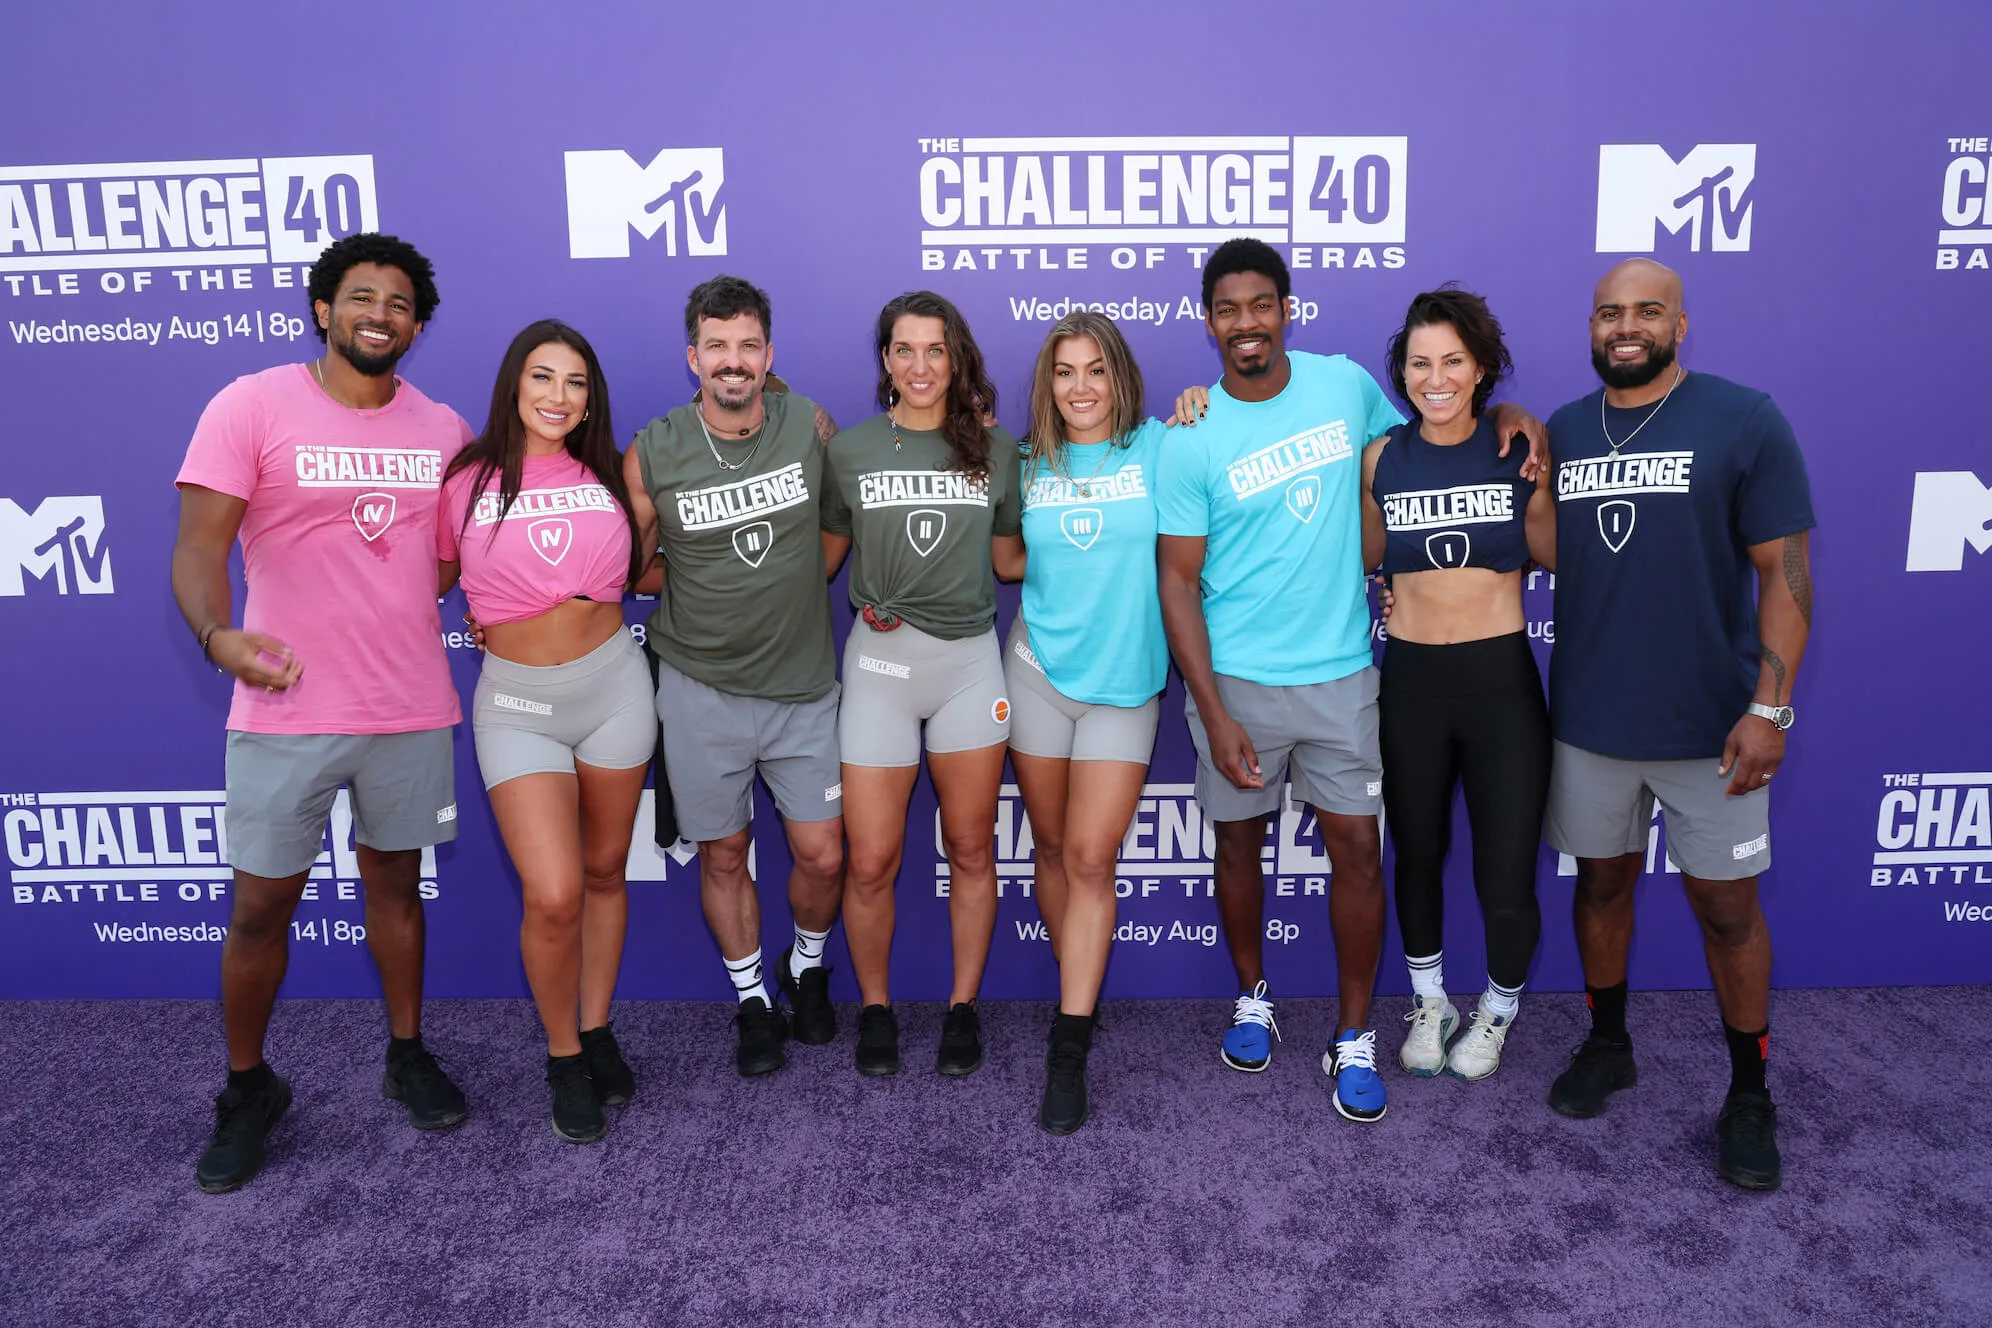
(1615, 522)
(1081, 525)
(373, 513)
(1448, 548)
(1304, 496)
(924, 528)
(551, 537)
(753, 541)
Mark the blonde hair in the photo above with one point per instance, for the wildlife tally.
(1123, 375)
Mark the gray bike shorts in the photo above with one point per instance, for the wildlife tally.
(896, 681)
(1046, 722)
(595, 710)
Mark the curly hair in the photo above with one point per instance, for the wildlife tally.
(971, 396)
(726, 297)
(1479, 331)
(1246, 255)
(341, 256)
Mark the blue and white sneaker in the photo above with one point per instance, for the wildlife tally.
(1248, 1043)
(1359, 1092)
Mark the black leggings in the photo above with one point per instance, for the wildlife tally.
(1469, 712)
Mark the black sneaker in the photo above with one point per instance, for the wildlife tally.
(878, 1041)
(1747, 1154)
(234, 1153)
(809, 999)
(415, 1080)
(762, 1032)
(577, 1110)
(961, 1041)
(1064, 1107)
(614, 1084)
(1598, 1068)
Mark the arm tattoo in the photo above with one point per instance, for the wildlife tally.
(1777, 667)
(826, 429)
(1797, 577)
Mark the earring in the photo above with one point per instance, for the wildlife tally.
(584, 415)
(891, 397)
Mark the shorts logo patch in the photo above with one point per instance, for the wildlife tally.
(551, 537)
(446, 815)
(520, 704)
(834, 792)
(753, 542)
(924, 528)
(1304, 497)
(1751, 849)
(1023, 652)
(884, 666)
(373, 513)
(1000, 711)
(1376, 788)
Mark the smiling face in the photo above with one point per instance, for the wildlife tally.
(553, 395)
(370, 321)
(1083, 390)
(917, 359)
(731, 358)
(1248, 318)
(1636, 324)
(1440, 374)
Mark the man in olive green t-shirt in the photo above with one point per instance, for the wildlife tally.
(729, 488)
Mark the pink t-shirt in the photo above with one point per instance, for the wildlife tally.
(565, 535)
(338, 548)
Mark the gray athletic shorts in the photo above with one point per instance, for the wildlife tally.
(715, 742)
(281, 787)
(894, 681)
(1046, 722)
(1602, 806)
(542, 719)
(1323, 735)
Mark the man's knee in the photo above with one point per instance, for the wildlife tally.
(818, 856)
(1727, 910)
(1604, 881)
(261, 910)
(727, 857)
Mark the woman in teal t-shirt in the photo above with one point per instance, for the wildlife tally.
(1085, 662)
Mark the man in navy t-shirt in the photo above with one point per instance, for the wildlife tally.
(1668, 681)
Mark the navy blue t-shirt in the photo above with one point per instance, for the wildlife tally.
(1656, 622)
(1457, 506)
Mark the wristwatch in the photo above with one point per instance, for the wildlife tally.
(1780, 716)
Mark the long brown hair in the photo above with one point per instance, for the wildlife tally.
(971, 396)
(1123, 377)
(501, 448)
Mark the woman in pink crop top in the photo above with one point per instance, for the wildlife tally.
(535, 518)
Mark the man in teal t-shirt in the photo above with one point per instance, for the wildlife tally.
(1264, 601)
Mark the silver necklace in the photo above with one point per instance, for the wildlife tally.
(1678, 375)
(742, 464)
(319, 374)
(1084, 486)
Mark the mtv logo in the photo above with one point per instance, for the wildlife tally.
(1950, 509)
(1706, 193)
(62, 539)
(608, 195)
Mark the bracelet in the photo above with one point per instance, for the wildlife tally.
(205, 635)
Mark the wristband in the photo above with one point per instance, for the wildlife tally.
(205, 635)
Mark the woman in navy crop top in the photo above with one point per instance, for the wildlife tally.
(1453, 526)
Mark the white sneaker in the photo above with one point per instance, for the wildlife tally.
(1433, 1022)
(1478, 1053)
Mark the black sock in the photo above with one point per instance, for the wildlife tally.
(1748, 1054)
(399, 1047)
(252, 1080)
(1608, 1012)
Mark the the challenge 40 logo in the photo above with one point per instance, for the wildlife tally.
(209, 224)
(1642, 191)
(59, 545)
(1966, 233)
(1054, 204)
(1936, 829)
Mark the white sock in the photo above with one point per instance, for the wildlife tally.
(746, 975)
(1428, 975)
(808, 951)
(1500, 1001)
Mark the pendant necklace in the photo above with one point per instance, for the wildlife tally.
(1678, 374)
(1084, 486)
(742, 464)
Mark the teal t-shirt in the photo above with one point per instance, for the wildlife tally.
(1274, 487)
(1090, 600)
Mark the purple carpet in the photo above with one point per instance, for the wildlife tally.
(1196, 1195)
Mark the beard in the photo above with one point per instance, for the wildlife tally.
(366, 360)
(733, 396)
(1659, 359)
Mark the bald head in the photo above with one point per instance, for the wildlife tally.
(1636, 325)
(1638, 280)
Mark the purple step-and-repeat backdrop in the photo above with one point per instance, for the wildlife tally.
(166, 180)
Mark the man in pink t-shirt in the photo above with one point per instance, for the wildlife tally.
(328, 473)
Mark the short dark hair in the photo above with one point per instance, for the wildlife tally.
(726, 297)
(1479, 331)
(1234, 256)
(342, 256)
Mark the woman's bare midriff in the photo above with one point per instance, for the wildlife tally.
(1443, 608)
(565, 632)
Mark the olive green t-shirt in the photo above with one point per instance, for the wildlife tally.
(744, 607)
(919, 531)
